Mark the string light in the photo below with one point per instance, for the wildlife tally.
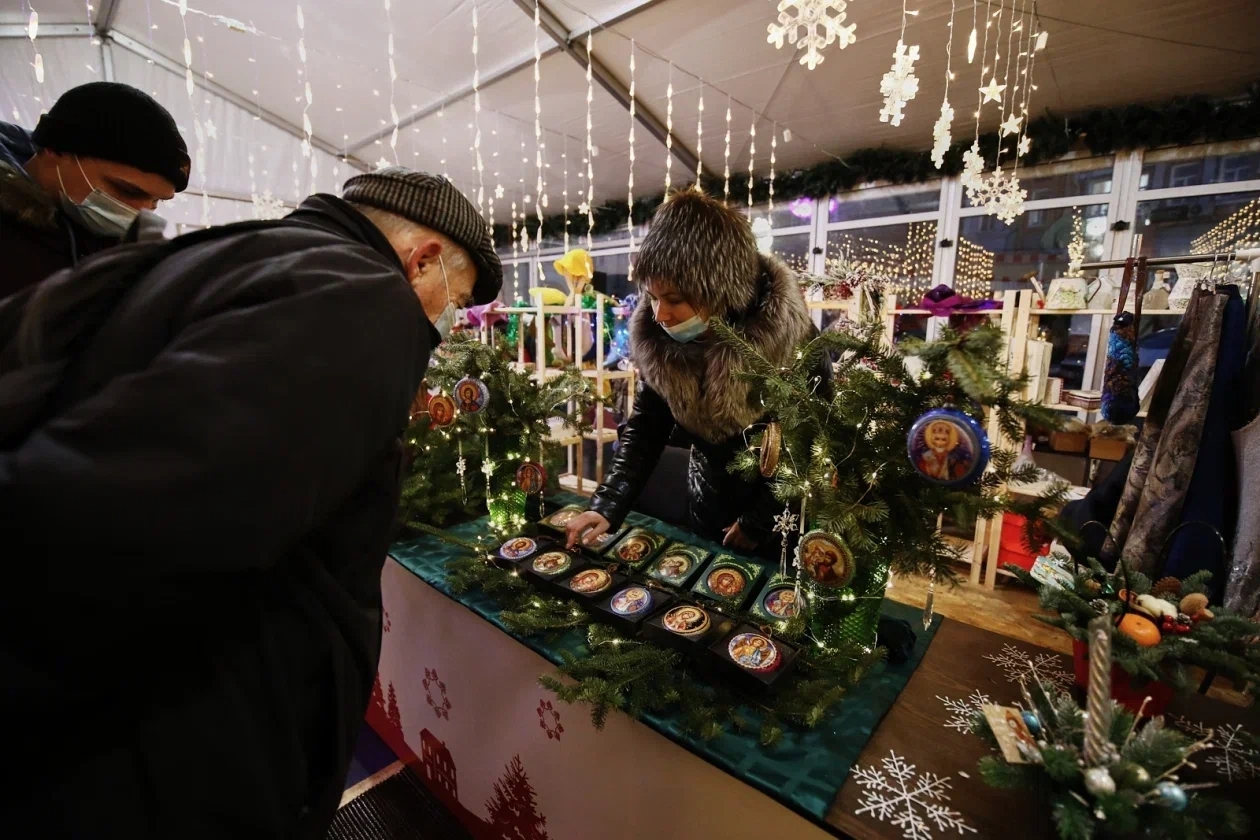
(538, 163)
(393, 76)
(700, 135)
(941, 138)
(726, 174)
(669, 128)
(516, 269)
(774, 144)
(442, 120)
(305, 79)
(752, 156)
(199, 157)
(1036, 42)
(1240, 229)
(973, 272)
(630, 177)
(590, 148)
(480, 166)
(564, 193)
(32, 32)
(971, 39)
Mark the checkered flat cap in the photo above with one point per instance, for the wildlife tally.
(434, 202)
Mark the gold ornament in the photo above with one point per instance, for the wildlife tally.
(771, 444)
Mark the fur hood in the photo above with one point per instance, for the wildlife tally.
(22, 200)
(697, 379)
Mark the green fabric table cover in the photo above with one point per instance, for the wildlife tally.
(809, 766)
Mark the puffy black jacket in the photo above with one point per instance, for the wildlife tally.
(691, 389)
(190, 620)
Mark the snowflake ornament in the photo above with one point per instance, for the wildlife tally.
(785, 523)
(907, 800)
(899, 84)
(212, 131)
(1229, 752)
(487, 469)
(962, 712)
(940, 134)
(972, 174)
(267, 206)
(461, 467)
(813, 25)
(1019, 665)
(1005, 197)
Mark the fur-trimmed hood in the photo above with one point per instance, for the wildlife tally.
(697, 379)
(23, 200)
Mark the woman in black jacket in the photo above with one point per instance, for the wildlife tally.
(699, 263)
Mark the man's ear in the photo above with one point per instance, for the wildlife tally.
(425, 255)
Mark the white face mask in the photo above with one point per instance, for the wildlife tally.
(446, 321)
(100, 212)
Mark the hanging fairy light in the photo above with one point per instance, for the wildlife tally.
(752, 156)
(941, 138)
(1037, 43)
(564, 193)
(308, 98)
(516, 269)
(630, 177)
(726, 173)
(774, 144)
(973, 163)
(32, 32)
(199, 156)
(538, 161)
(590, 148)
(480, 166)
(393, 76)
(971, 39)
(669, 128)
(700, 135)
(442, 120)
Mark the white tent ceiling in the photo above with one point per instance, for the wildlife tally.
(1099, 54)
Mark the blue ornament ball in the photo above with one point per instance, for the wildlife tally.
(1171, 795)
(1033, 724)
(948, 447)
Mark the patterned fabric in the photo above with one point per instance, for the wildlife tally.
(1163, 462)
(434, 202)
(805, 771)
(1243, 591)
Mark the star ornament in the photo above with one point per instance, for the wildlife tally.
(993, 91)
(498, 191)
(1025, 145)
(1011, 125)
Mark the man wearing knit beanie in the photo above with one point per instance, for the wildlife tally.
(78, 183)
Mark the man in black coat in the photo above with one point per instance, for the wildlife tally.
(79, 182)
(191, 616)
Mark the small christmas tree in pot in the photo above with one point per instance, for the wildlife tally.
(866, 463)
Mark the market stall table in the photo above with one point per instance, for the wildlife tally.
(458, 699)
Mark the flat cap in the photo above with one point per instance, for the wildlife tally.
(434, 202)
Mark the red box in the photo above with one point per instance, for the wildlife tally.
(1123, 690)
(1014, 548)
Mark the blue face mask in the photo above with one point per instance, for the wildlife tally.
(688, 330)
(100, 212)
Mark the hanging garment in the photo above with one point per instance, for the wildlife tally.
(1207, 518)
(1163, 462)
(1120, 401)
(1242, 593)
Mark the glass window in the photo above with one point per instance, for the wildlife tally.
(1191, 167)
(793, 249)
(904, 253)
(1065, 180)
(1069, 345)
(1029, 248)
(1198, 224)
(877, 202)
(786, 214)
(612, 274)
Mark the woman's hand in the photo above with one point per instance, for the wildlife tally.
(736, 539)
(585, 527)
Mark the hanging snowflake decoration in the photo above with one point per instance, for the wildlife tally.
(973, 172)
(940, 134)
(812, 25)
(1004, 197)
(907, 800)
(963, 712)
(785, 523)
(461, 467)
(1018, 664)
(267, 206)
(899, 84)
(212, 131)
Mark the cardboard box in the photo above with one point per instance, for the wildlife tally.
(1108, 449)
(1054, 390)
(1037, 364)
(1069, 441)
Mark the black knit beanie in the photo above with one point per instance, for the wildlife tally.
(118, 123)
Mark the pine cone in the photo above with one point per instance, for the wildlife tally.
(1166, 586)
(1100, 606)
(1093, 587)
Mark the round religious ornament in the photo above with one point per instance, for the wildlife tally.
(826, 560)
(552, 563)
(673, 568)
(948, 447)
(753, 652)
(726, 581)
(590, 581)
(781, 602)
(771, 447)
(441, 410)
(517, 548)
(631, 602)
(686, 620)
(472, 394)
(531, 477)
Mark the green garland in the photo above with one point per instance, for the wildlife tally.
(619, 673)
(1179, 122)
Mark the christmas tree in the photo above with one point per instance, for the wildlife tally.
(460, 469)
(514, 808)
(843, 459)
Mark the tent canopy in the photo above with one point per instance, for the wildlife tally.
(250, 82)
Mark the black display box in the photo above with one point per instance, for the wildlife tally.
(619, 582)
(654, 629)
(552, 581)
(637, 548)
(558, 520)
(539, 544)
(749, 571)
(670, 560)
(630, 625)
(780, 586)
(754, 682)
(605, 541)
